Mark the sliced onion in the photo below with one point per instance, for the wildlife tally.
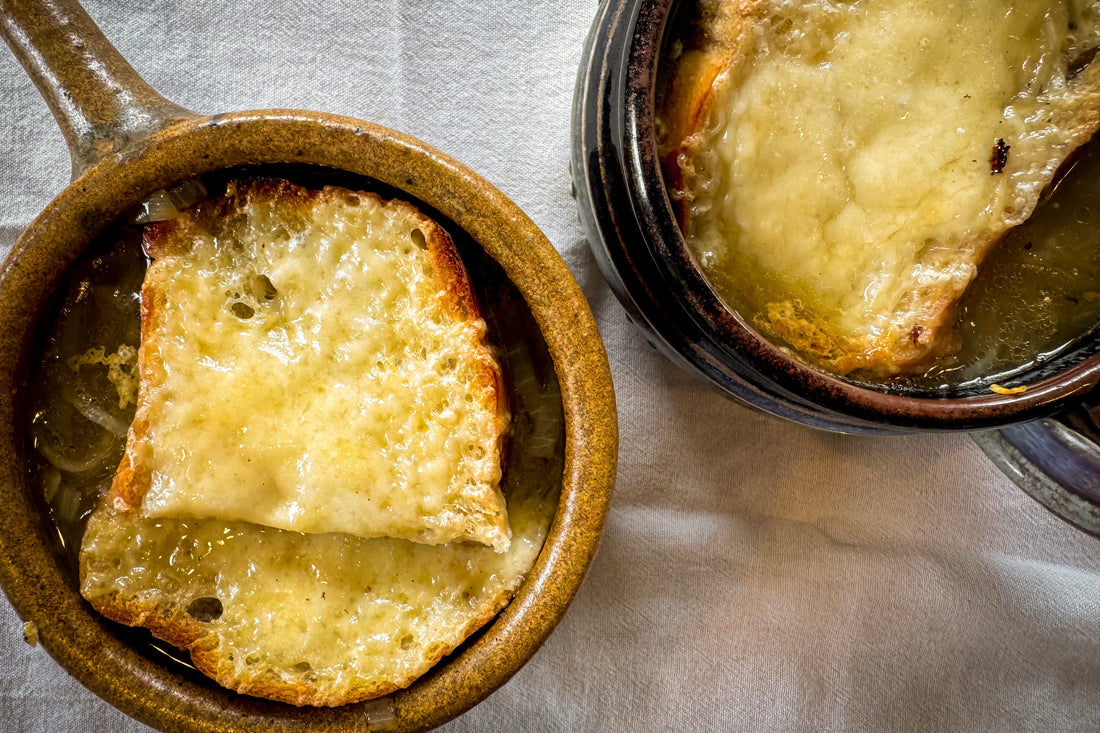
(94, 459)
(187, 193)
(67, 505)
(166, 204)
(51, 479)
(86, 406)
(93, 455)
(157, 207)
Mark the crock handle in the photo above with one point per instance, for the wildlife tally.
(100, 102)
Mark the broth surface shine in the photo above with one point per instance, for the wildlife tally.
(1039, 290)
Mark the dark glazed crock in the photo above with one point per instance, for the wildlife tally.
(127, 142)
(631, 227)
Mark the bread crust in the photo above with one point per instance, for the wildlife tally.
(716, 63)
(688, 101)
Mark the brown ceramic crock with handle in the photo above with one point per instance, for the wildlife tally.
(127, 142)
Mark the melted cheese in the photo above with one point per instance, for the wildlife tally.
(844, 195)
(308, 619)
(121, 371)
(307, 371)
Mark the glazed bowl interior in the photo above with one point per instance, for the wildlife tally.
(864, 406)
(534, 309)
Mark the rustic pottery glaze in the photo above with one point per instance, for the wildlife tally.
(638, 245)
(126, 142)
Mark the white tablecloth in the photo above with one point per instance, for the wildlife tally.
(754, 574)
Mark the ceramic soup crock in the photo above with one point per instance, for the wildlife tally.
(127, 142)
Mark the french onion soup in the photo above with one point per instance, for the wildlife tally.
(842, 170)
(287, 448)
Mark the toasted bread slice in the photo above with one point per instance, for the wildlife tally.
(842, 169)
(314, 361)
(307, 619)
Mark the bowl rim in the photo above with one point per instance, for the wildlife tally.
(732, 336)
(79, 639)
(1054, 463)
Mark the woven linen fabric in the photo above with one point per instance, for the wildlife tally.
(754, 575)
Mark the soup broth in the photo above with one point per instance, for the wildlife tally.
(1037, 293)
